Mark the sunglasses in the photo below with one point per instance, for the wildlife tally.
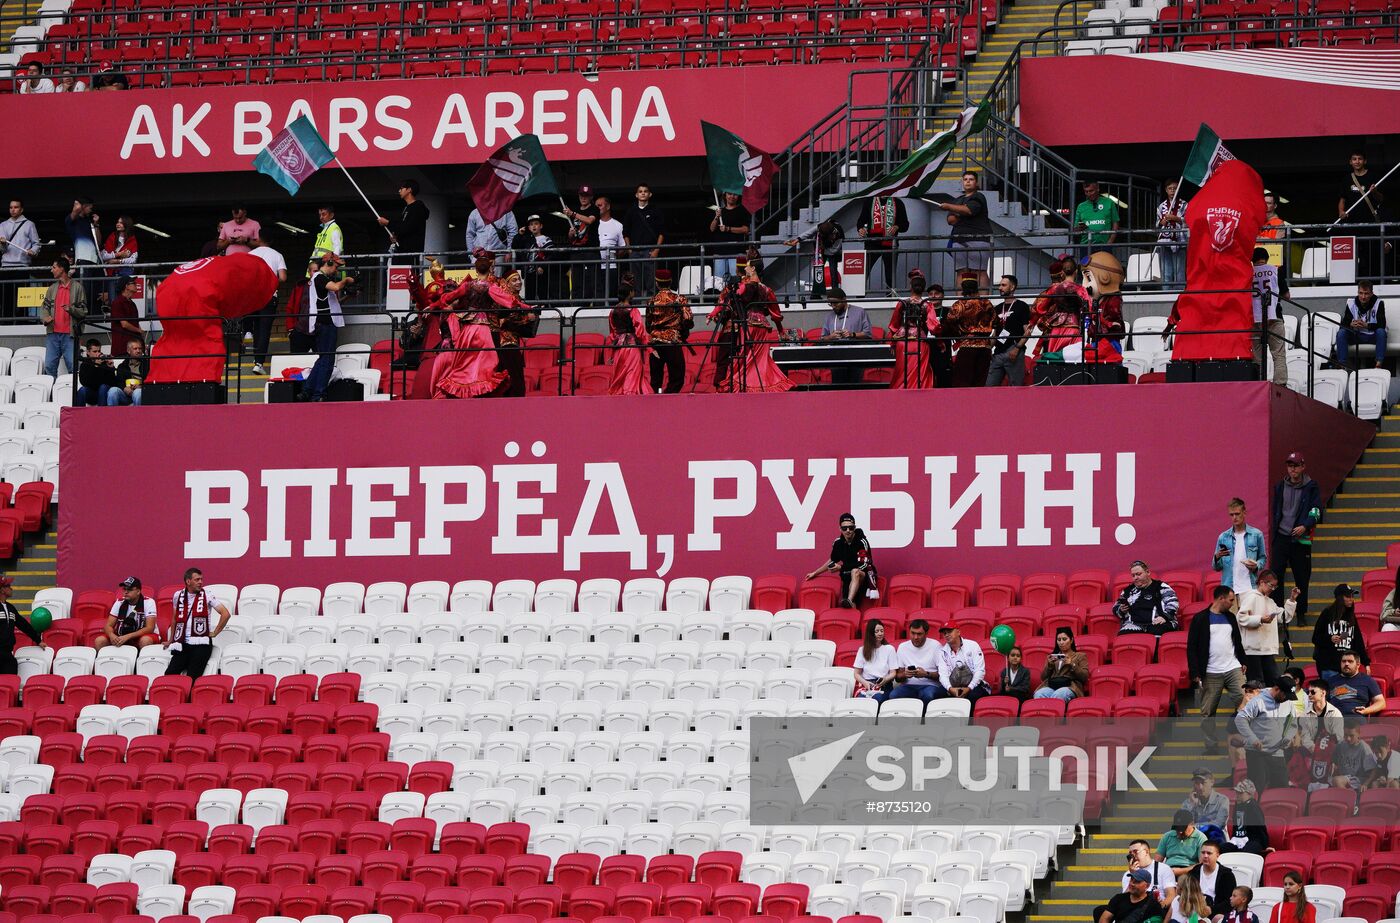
(848, 528)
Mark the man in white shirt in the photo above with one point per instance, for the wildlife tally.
(610, 241)
(962, 670)
(918, 663)
(1270, 287)
(260, 321)
(132, 620)
(1260, 619)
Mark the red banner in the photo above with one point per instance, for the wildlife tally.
(381, 123)
(1026, 480)
(192, 304)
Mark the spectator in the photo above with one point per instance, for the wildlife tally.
(1354, 692)
(1363, 321)
(95, 376)
(1239, 912)
(1207, 806)
(1267, 724)
(1300, 689)
(1215, 660)
(1239, 551)
(192, 636)
(826, 259)
(109, 78)
(876, 663)
(34, 80)
(1269, 289)
(1190, 904)
(491, 235)
(1259, 620)
(130, 374)
(1365, 200)
(853, 558)
(262, 319)
(971, 319)
(1135, 905)
(1247, 831)
(1353, 763)
(1180, 847)
(125, 317)
(882, 220)
(1390, 606)
(10, 619)
(1146, 604)
(1066, 670)
(1096, 219)
(68, 82)
(729, 229)
(962, 669)
(19, 244)
(1294, 908)
(1171, 236)
(918, 666)
(1216, 881)
(1015, 678)
(329, 238)
(239, 234)
(844, 323)
(644, 230)
(1162, 884)
(532, 248)
(1295, 511)
(583, 238)
(970, 232)
(132, 620)
(64, 306)
(409, 232)
(1012, 319)
(611, 241)
(83, 226)
(324, 319)
(120, 251)
(1387, 763)
(1275, 228)
(1338, 633)
(1319, 730)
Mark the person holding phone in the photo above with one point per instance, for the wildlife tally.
(1239, 551)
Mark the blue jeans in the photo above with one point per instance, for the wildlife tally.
(1172, 260)
(926, 693)
(117, 397)
(325, 361)
(57, 346)
(1346, 336)
(1065, 695)
(98, 398)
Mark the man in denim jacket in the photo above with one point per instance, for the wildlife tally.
(1239, 552)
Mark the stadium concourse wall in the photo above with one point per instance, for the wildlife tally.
(971, 481)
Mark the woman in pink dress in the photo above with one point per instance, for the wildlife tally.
(914, 320)
(762, 321)
(469, 368)
(628, 334)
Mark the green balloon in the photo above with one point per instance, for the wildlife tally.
(41, 618)
(1003, 638)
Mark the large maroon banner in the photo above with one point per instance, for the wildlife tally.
(1245, 93)
(380, 123)
(969, 481)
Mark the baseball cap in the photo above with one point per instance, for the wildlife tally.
(7, 581)
(1247, 786)
(1141, 875)
(533, 218)
(130, 583)
(585, 189)
(949, 626)
(1284, 684)
(1343, 589)
(1203, 773)
(1294, 458)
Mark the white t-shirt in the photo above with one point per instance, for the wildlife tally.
(609, 239)
(925, 658)
(271, 257)
(149, 613)
(1208, 882)
(1240, 577)
(1266, 292)
(879, 665)
(1221, 658)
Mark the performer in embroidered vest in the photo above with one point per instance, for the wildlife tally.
(191, 638)
(668, 324)
(132, 620)
(10, 619)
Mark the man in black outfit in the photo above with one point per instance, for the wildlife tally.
(1296, 509)
(1135, 905)
(1009, 350)
(644, 229)
(583, 239)
(882, 220)
(10, 619)
(411, 228)
(192, 637)
(851, 555)
(1361, 187)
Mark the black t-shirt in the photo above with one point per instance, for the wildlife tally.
(846, 553)
(1011, 323)
(975, 226)
(590, 233)
(643, 227)
(1363, 213)
(323, 304)
(732, 244)
(1121, 907)
(412, 227)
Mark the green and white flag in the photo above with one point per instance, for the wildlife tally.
(737, 166)
(916, 174)
(1207, 154)
(293, 154)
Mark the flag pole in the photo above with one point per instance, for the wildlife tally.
(368, 205)
(1363, 198)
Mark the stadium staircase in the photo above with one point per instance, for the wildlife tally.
(37, 566)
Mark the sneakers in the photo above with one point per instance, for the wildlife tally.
(258, 369)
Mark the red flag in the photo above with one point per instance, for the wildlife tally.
(1223, 219)
(192, 305)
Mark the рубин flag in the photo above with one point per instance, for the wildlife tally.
(1207, 154)
(916, 174)
(516, 171)
(293, 154)
(738, 167)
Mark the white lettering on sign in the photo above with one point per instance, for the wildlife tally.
(437, 510)
(348, 116)
(251, 117)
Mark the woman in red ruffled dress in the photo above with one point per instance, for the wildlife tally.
(914, 320)
(628, 334)
(762, 318)
(469, 369)
(425, 328)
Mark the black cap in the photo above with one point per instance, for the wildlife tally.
(1284, 684)
(131, 583)
(1343, 589)
(1203, 773)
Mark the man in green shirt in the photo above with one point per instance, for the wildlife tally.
(1180, 847)
(1096, 218)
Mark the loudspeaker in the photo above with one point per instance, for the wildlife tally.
(345, 389)
(173, 393)
(1077, 373)
(1200, 370)
(283, 392)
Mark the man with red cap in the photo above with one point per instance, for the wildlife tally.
(962, 668)
(583, 238)
(10, 619)
(1297, 507)
(668, 321)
